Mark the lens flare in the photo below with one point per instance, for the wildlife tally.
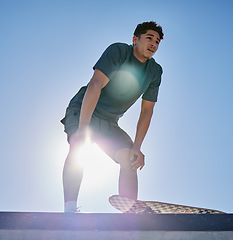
(94, 162)
(82, 153)
(124, 86)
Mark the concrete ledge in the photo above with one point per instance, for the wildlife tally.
(116, 221)
(20, 225)
(113, 235)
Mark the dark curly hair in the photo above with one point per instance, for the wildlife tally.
(142, 28)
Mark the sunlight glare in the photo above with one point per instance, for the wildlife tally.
(94, 163)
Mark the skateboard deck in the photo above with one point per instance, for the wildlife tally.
(128, 205)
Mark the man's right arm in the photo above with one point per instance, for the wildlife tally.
(98, 81)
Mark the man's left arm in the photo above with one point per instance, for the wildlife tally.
(136, 155)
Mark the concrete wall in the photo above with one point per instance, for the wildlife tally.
(60, 226)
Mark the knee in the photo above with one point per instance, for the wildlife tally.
(122, 157)
(73, 156)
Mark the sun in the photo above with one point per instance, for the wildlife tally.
(98, 168)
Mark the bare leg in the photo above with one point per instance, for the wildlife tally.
(128, 181)
(72, 175)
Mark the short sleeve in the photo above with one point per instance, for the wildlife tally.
(151, 94)
(112, 58)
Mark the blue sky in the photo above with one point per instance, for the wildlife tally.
(47, 50)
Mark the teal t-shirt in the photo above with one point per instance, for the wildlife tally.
(128, 80)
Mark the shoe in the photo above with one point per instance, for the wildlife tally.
(72, 210)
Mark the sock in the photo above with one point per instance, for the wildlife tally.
(70, 206)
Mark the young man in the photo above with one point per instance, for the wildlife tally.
(121, 75)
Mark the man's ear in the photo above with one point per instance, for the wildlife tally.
(135, 40)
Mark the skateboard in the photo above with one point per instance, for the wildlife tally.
(128, 205)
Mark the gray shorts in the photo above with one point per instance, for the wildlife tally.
(105, 133)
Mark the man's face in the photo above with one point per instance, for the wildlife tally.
(146, 45)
